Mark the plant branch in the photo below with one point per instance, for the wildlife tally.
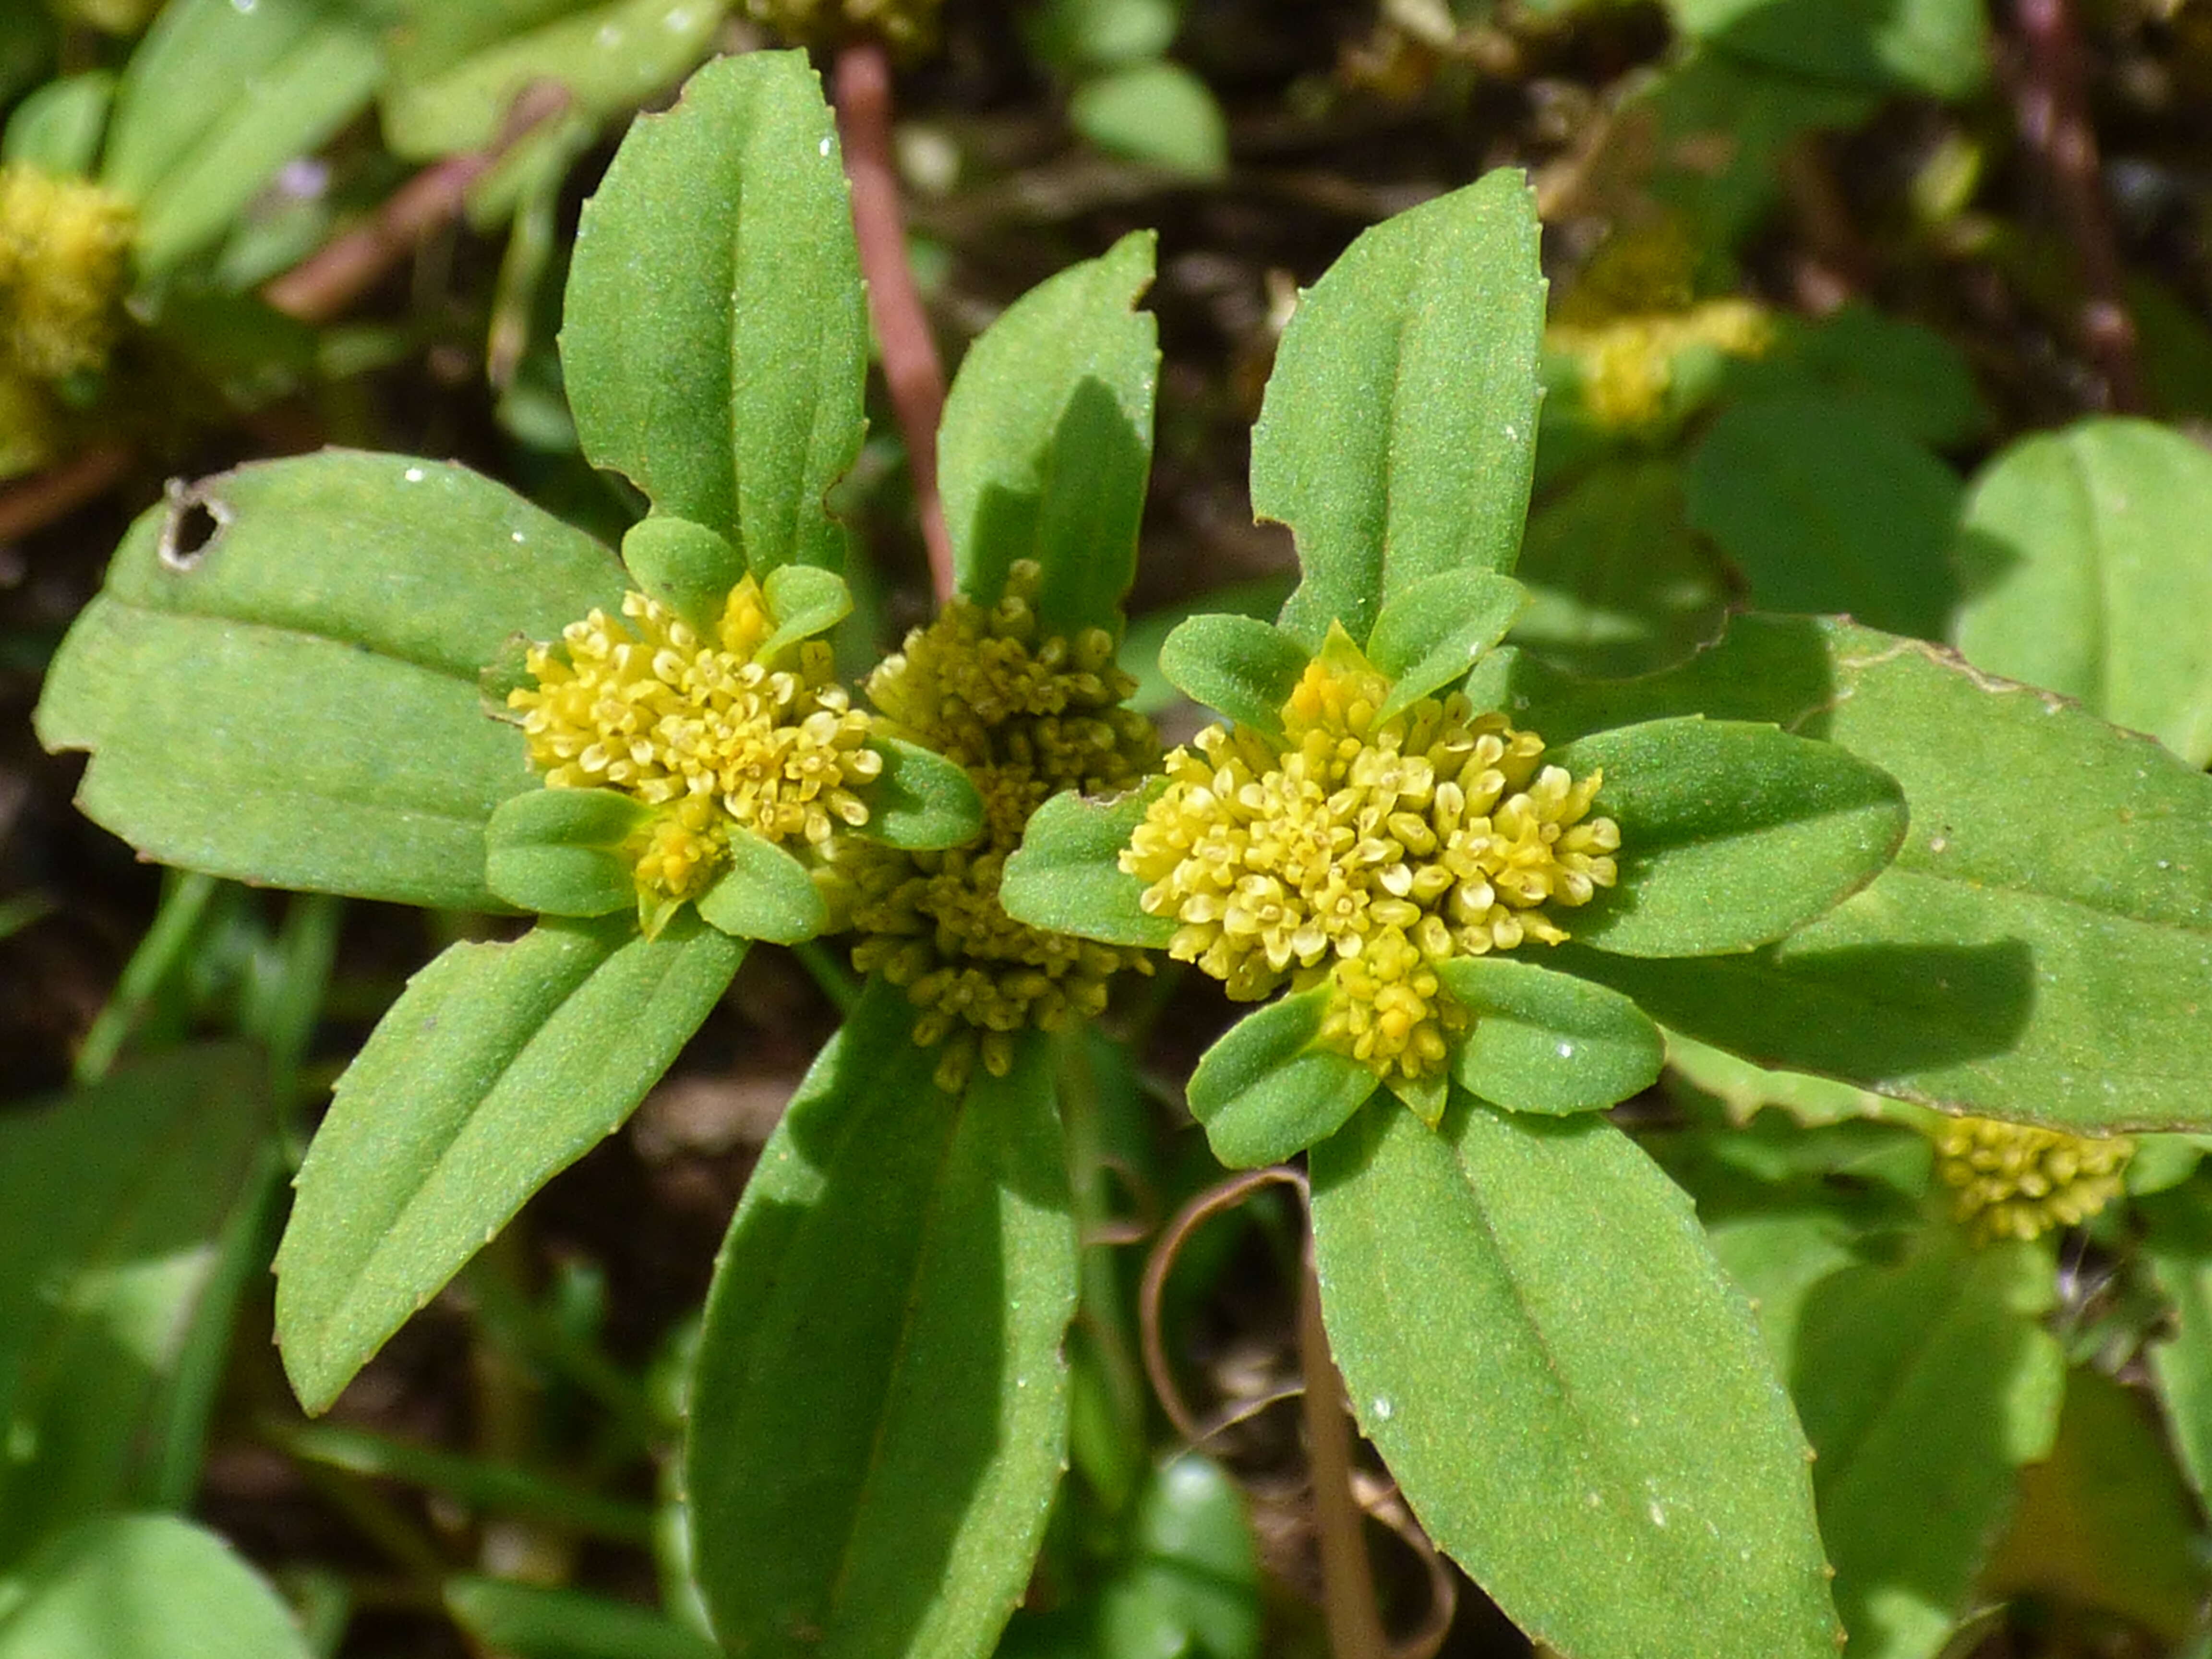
(37, 501)
(2049, 97)
(911, 368)
(1348, 1576)
(320, 286)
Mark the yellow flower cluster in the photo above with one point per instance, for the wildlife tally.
(1369, 852)
(1027, 717)
(1628, 363)
(64, 245)
(2015, 1181)
(707, 731)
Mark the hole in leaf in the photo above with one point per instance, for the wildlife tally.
(194, 522)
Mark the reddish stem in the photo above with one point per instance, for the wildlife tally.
(2050, 99)
(321, 286)
(37, 502)
(1348, 1576)
(911, 368)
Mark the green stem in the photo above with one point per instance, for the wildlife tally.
(1101, 1315)
(184, 898)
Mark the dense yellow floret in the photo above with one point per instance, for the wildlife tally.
(1027, 717)
(704, 730)
(2015, 1181)
(65, 247)
(1367, 852)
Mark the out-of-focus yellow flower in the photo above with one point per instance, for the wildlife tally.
(1026, 717)
(2015, 1181)
(902, 25)
(64, 250)
(706, 730)
(1367, 852)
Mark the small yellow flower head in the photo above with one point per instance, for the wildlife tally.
(704, 729)
(1367, 854)
(902, 25)
(1628, 363)
(64, 244)
(1027, 717)
(2015, 1182)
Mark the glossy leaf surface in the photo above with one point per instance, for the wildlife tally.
(716, 338)
(280, 681)
(1545, 1041)
(1923, 1387)
(880, 1410)
(1065, 875)
(143, 1587)
(1565, 1456)
(498, 1066)
(1731, 834)
(2082, 559)
(114, 1204)
(1048, 441)
(2034, 949)
(1268, 1090)
(1399, 432)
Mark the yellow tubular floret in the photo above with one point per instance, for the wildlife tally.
(700, 729)
(1365, 853)
(1027, 717)
(2016, 1181)
(64, 252)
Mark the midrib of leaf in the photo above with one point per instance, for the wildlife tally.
(2100, 578)
(272, 631)
(873, 1465)
(1386, 542)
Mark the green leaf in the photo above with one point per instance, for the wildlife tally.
(1048, 441)
(2178, 1250)
(280, 681)
(531, 1622)
(804, 600)
(558, 852)
(1265, 1091)
(1731, 834)
(1158, 112)
(1548, 1042)
(2032, 952)
(1923, 1387)
(1139, 655)
(217, 98)
(921, 801)
(1573, 1399)
(57, 128)
(498, 1068)
(1619, 583)
(1825, 509)
(1399, 430)
(1432, 632)
(456, 70)
(715, 339)
(2079, 550)
(878, 1413)
(115, 1202)
(1077, 34)
(143, 1587)
(1903, 374)
(1065, 875)
(766, 893)
(686, 566)
(1937, 46)
(1778, 1258)
(1239, 665)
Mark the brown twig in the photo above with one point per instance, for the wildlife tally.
(1347, 1576)
(321, 286)
(911, 368)
(2049, 87)
(39, 500)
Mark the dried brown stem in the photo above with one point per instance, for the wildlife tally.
(39, 500)
(911, 369)
(321, 286)
(2051, 100)
(1348, 1576)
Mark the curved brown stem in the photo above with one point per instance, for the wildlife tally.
(911, 367)
(37, 501)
